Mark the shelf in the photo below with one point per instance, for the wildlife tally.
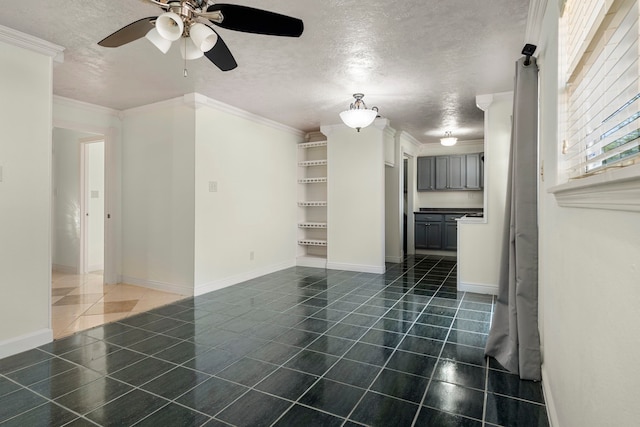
(309, 163)
(313, 144)
(312, 203)
(312, 242)
(312, 225)
(312, 180)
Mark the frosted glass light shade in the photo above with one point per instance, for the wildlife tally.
(189, 50)
(158, 41)
(358, 118)
(170, 26)
(448, 141)
(203, 37)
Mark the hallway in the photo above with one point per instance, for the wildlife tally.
(81, 301)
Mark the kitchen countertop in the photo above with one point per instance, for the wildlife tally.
(450, 211)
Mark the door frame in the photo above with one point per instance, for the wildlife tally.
(83, 253)
(111, 206)
(411, 185)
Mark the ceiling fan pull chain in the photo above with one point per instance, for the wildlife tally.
(186, 73)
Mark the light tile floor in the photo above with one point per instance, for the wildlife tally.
(82, 301)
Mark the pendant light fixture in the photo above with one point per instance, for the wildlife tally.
(170, 27)
(358, 116)
(448, 140)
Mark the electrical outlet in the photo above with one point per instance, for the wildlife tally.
(251, 256)
(213, 186)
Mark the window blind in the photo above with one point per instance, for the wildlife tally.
(603, 85)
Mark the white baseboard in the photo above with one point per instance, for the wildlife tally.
(96, 267)
(356, 267)
(478, 288)
(25, 342)
(64, 269)
(160, 286)
(239, 278)
(305, 261)
(548, 399)
(393, 259)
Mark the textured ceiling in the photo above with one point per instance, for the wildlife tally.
(421, 62)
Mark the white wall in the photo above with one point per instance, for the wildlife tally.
(66, 199)
(480, 241)
(248, 226)
(393, 215)
(25, 199)
(158, 196)
(395, 200)
(450, 199)
(356, 200)
(92, 119)
(589, 293)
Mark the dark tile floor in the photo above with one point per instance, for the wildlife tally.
(300, 347)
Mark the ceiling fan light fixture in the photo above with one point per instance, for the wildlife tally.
(358, 116)
(448, 140)
(158, 41)
(189, 50)
(203, 36)
(170, 26)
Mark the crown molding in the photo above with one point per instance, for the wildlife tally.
(409, 138)
(197, 101)
(29, 42)
(381, 123)
(483, 102)
(535, 17)
(85, 106)
(150, 108)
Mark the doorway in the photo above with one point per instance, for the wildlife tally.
(408, 176)
(78, 219)
(92, 205)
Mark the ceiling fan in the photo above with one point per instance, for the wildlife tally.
(188, 20)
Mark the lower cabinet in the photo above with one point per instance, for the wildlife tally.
(436, 231)
(450, 237)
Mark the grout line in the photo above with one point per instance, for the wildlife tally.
(424, 395)
(362, 280)
(399, 342)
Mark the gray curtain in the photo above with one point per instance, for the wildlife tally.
(514, 340)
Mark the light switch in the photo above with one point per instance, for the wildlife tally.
(213, 186)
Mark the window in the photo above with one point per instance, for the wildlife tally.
(599, 56)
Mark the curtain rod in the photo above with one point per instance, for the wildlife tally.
(528, 51)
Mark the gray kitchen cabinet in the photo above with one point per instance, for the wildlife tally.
(436, 231)
(442, 167)
(426, 173)
(428, 231)
(473, 176)
(450, 173)
(450, 236)
(456, 173)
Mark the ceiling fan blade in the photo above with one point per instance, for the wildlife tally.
(131, 32)
(221, 56)
(257, 21)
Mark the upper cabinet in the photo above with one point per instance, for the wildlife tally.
(474, 170)
(426, 173)
(450, 173)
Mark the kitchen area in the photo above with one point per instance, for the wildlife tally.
(449, 187)
(453, 198)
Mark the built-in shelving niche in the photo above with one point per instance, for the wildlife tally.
(312, 201)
